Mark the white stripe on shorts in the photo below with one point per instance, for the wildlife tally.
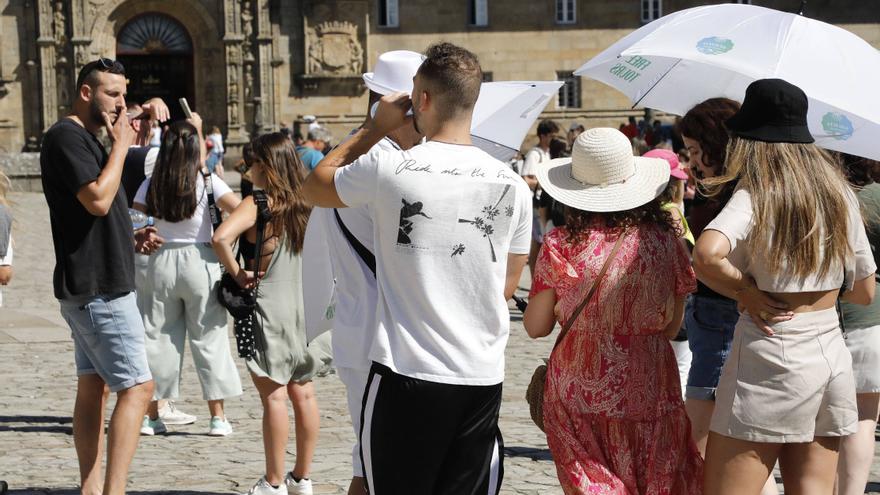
(366, 428)
(493, 470)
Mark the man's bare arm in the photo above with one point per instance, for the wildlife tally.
(320, 187)
(97, 196)
(515, 264)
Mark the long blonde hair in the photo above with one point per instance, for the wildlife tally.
(799, 199)
(5, 185)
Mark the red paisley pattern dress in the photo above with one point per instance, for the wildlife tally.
(613, 412)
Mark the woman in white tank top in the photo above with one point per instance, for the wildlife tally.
(175, 285)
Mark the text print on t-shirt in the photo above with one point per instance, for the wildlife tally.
(471, 219)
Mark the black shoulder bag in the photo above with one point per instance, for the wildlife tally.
(242, 303)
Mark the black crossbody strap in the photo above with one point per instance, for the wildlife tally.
(262, 216)
(368, 258)
(212, 203)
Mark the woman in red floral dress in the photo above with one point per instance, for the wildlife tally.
(613, 412)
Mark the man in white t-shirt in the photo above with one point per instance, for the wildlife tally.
(547, 130)
(451, 230)
(340, 263)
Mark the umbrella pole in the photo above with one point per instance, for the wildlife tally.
(656, 83)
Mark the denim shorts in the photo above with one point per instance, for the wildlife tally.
(710, 322)
(108, 338)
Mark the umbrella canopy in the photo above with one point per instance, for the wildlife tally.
(505, 111)
(687, 57)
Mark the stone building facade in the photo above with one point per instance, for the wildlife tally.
(248, 65)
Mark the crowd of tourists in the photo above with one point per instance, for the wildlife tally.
(695, 281)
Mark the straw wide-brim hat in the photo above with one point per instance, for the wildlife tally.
(602, 175)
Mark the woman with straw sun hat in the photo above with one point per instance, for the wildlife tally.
(613, 411)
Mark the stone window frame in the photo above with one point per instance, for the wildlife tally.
(570, 93)
(566, 11)
(391, 11)
(475, 7)
(651, 10)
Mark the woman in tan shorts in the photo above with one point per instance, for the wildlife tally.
(784, 245)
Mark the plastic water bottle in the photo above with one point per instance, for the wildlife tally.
(139, 219)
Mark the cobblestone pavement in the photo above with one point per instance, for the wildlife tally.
(37, 386)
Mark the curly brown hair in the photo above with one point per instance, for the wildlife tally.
(705, 124)
(858, 171)
(652, 213)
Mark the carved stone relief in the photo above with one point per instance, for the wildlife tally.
(247, 29)
(59, 23)
(334, 49)
(81, 55)
(46, 27)
(248, 82)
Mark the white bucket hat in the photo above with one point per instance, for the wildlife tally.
(602, 175)
(394, 72)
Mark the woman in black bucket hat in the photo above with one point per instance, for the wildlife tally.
(784, 245)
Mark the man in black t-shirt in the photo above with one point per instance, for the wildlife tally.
(94, 271)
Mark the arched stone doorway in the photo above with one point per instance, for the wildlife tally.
(157, 52)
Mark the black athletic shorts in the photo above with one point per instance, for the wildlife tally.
(426, 438)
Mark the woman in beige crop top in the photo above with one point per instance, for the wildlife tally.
(786, 392)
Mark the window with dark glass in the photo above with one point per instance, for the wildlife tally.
(652, 10)
(570, 92)
(565, 11)
(388, 13)
(478, 12)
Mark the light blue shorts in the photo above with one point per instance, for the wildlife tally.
(108, 338)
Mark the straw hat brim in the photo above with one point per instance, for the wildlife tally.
(649, 181)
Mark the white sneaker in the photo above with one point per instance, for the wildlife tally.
(263, 487)
(152, 426)
(219, 427)
(171, 415)
(302, 487)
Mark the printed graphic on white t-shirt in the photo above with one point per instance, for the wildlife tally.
(473, 225)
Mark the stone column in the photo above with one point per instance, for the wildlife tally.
(237, 135)
(80, 37)
(46, 47)
(264, 105)
(63, 64)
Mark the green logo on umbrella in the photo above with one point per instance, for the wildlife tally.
(837, 126)
(714, 45)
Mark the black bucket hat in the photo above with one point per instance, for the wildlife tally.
(774, 111)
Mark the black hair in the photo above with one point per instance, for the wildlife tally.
(172, 192)
(546, 127)
(88, 74)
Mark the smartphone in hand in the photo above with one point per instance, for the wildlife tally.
(185, 106)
